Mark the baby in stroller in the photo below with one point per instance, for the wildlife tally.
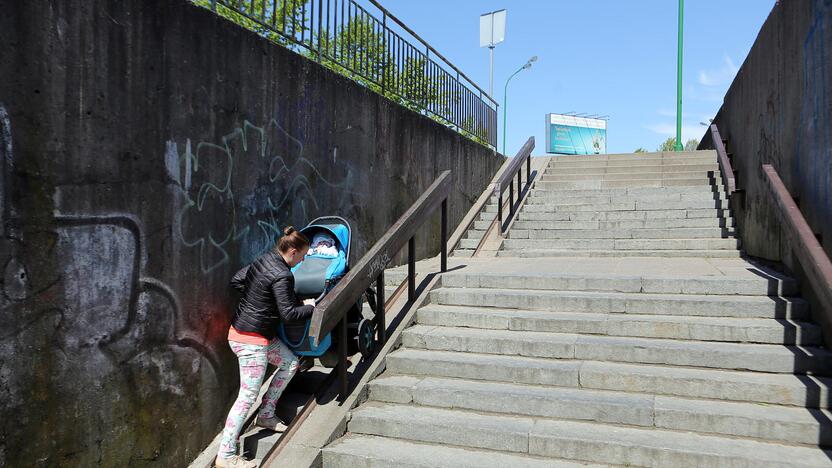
(324, 265)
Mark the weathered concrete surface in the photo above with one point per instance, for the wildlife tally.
(148, 149)
(779, 111)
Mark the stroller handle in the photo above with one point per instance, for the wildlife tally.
(341, 220)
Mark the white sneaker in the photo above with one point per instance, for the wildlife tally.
(235, 462)
(274, 423)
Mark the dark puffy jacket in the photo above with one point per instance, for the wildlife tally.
(268, 295)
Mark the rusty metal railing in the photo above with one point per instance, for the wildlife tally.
(809, 252)
(507, 181)
(331, 311)
(725, 168)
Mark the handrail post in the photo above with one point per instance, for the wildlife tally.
(381, 325)
(500, 211)
(320, 29)
(511, 199)
(411, 269)
(529, 169)
(342, 359)
(384, 69)
(444, 236)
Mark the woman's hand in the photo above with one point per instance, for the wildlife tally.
(309, 302)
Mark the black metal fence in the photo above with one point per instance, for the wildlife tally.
(376, 49)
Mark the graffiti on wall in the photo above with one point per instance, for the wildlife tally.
(814, 139)
(91, 342)
(240, 192)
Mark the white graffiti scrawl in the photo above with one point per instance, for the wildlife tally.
(241, 191)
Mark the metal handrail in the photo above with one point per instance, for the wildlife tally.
(346, 37)
(331, 310)
(810, 253)
(724, 163)
(434, 51)
(507, 180)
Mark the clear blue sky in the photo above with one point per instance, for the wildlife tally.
(605, 57)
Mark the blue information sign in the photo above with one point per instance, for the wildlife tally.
(567, 134)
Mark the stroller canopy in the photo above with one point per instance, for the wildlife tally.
(317, 271)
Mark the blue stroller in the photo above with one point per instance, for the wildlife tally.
(324, 265)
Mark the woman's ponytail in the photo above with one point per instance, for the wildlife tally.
(292, 239)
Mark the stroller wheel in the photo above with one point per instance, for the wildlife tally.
(366, 337)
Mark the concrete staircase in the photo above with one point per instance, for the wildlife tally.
(642, 344)
(658, 204)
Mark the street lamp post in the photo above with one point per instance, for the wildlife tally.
(505, 96)
(679, 146)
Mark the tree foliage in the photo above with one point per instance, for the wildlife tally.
(360, 51)
(670, 145)
(265, 16)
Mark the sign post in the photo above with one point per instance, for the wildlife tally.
(492, 32)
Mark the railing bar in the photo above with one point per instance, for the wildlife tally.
(411, 269)
(303, 22)
(500, 211)
(810, 254)
(340, 38)
(328, 11)
(274, 15)
(444, 236)
(410, 69)
(381, 325)
(342, 354)
(434, 51)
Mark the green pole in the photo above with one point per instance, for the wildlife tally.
(679, 146)
(505, 100)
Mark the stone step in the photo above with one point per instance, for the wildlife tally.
(592, 442)
(658, 155)
(632, 166)
(556, 176)
(762, 283)
(624, 206)
(628, 303)
(632, 192)
(718, 355)
(633, 224)
(726, 329)
(623, 244)
(542, 253)
(669, 233)
(462, 253)
(603, 168)
(644, 182)
(530, 214)
(362, 451)
(737, 386)
(542, 199)
(475, 234)
(772, 423)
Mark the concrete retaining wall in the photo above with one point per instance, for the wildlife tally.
(149, 149)
(779, 111)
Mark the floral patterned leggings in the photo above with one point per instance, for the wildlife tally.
(253, 360)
